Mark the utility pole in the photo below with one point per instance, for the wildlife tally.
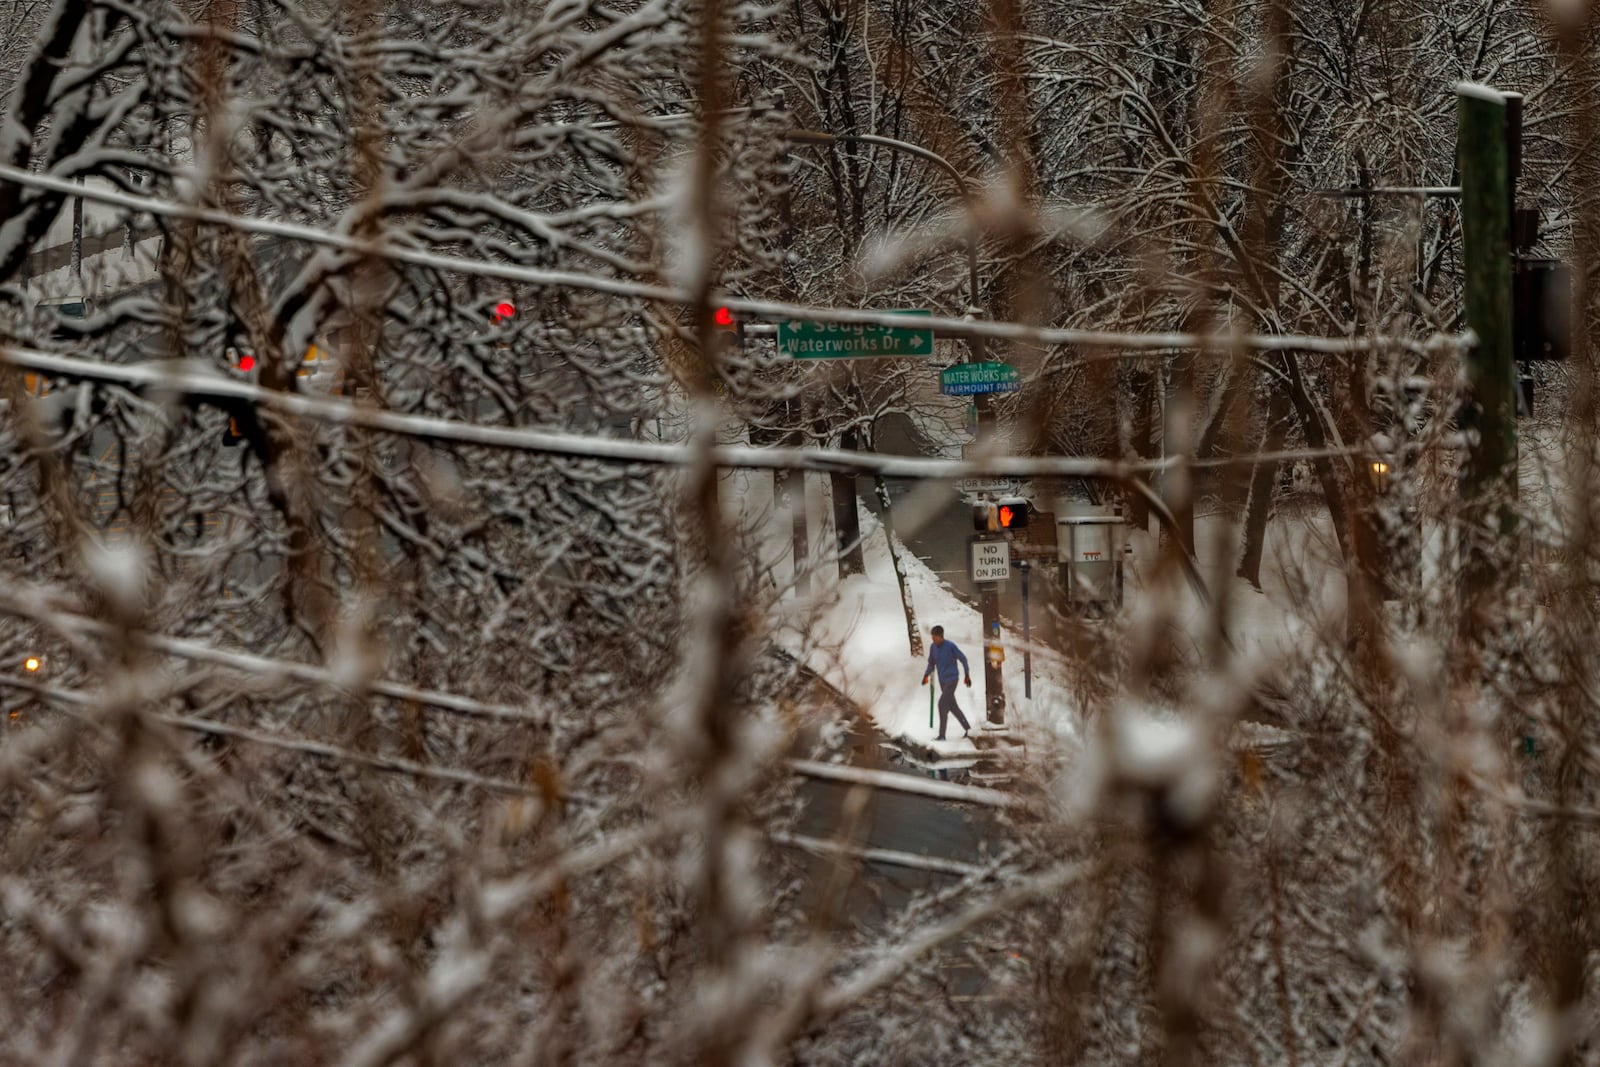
(988, 592)
(1484, 142)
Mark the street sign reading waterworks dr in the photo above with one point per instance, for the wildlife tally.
(964, 379)
(799, 339)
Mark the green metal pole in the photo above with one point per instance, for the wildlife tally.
(1489, 481)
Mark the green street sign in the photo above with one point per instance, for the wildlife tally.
(965, 379)
(799, 339)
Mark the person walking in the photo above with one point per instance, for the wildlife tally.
(942, 658)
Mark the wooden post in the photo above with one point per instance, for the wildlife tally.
(1489, 481)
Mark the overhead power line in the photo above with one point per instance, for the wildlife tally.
(861, 776)
(303, 745)
(382, 248)
(30, 604)
(201, 381)
(905, 783)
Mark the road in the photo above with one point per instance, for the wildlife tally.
(895, 822)
(900, 824)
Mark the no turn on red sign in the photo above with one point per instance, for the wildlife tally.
(991, 561)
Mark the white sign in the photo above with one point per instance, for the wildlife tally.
(991, 561)
(1007, 486)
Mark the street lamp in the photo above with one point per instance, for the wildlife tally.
(1379, 469)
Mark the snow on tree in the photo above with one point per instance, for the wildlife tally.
(394, 674)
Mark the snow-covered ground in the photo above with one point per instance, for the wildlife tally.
(853, 632)
(861, 646)
(859, 643)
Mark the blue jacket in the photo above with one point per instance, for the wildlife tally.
(944, 657)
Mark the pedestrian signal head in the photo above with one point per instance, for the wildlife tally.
(1012, 514)
(985, 518)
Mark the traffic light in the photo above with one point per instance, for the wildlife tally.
(730, 330)
(1009, 514)
(502, 311)
(1541, 309)
(246, 366)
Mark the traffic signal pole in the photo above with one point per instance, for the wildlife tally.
(1488, 418)
(988, 592)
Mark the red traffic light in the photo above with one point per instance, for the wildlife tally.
(247, 362)
(504, 310)
(723, 317)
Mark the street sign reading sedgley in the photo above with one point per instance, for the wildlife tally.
(799, 339)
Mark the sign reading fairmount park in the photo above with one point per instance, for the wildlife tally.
(967, 379)
(799, 339)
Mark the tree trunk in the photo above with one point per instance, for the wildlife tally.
(1316, 435)
(912, 631)
(1178, 439)
(846, 521)
(789, 491)
(1263, 481)
(1141, 388)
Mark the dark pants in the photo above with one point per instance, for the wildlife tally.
(947, 706)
